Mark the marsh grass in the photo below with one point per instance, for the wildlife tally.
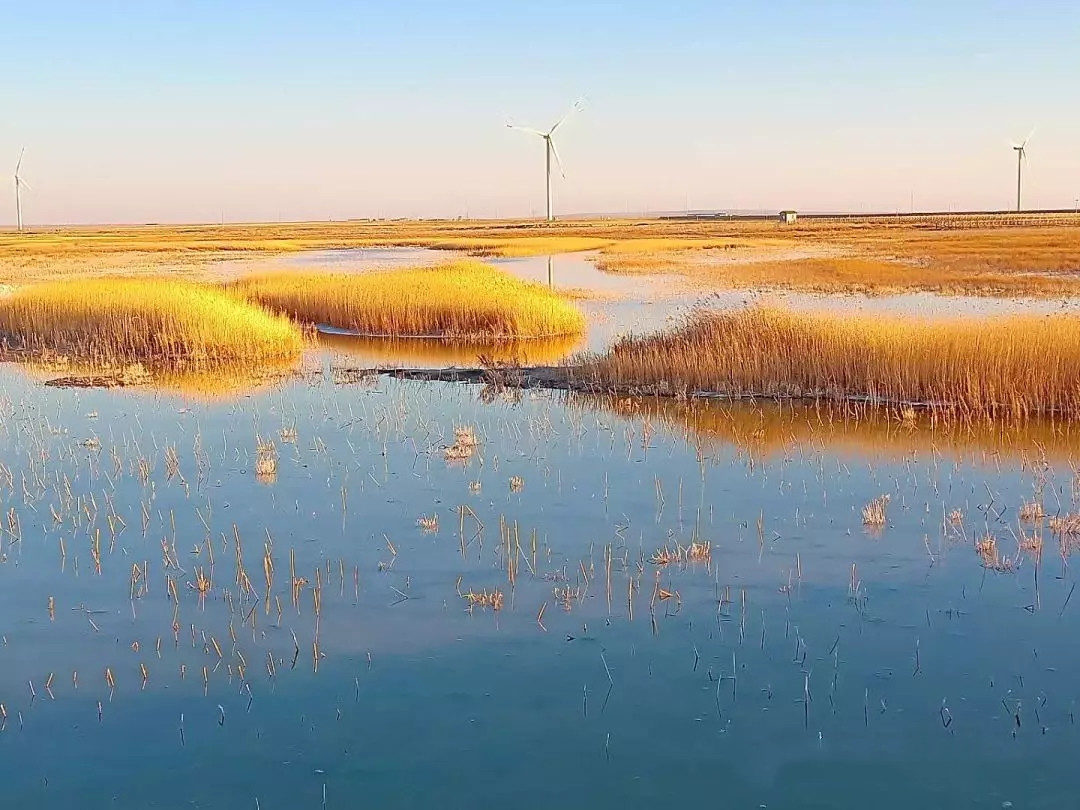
(874, 513)
(492, 599)
(865, 274)
(1010, 367)
(465, 300)
(1067, 525)
(160, 323)
(960, 255)
(465, 444)
(669, 554)
(986, 547)
(987, 255)
(1031, 512)
(266, 461)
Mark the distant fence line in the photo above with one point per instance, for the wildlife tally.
(935, 219)
(959, 221)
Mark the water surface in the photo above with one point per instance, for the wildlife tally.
(810, 662)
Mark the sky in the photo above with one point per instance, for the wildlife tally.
(196, 111)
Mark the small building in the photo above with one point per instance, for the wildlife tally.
(788, 217)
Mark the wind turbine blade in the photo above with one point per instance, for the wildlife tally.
(578, 106)
(558, 162)
(22, 183)
(19, 164)
(527, 129)
(1028, 138)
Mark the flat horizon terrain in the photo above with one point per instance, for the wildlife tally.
(988, 255)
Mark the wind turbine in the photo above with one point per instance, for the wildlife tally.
(549, 150)
(1021, 153)
(20, 184)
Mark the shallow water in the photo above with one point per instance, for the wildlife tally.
(870, 665)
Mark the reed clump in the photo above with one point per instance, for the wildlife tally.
(1031, 511)
(874, 513)
(1067, 525)
(485, 599)
(1008, 367)
(680, 554)
(465, 300)
(465, 444)
(266, 461)
(986, 548)
(160, 322)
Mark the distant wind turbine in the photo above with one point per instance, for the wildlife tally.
(1021, 154)
(549, 150)
(20, 184)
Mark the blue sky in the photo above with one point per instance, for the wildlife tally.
(192, 110)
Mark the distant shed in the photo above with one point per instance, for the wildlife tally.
(788, 217)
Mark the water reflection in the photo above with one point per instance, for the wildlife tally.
(210, 383)
(432, 353)
(771, 429)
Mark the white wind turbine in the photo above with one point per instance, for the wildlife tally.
(1021, 154)
(550, 151)
(20, 184)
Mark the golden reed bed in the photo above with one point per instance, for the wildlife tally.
(114, 321)
(464, 300)
(1009, 367)
(125, 331)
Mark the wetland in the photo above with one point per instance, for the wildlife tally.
(348, 580)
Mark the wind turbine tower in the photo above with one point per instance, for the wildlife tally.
(550, 152)
(20, 184)
(1021, 155)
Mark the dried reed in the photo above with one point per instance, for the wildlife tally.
(1008, 367)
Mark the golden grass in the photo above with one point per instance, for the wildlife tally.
(680, 554)
(984, 255)
(866, 274)
(157, 322)
(1031, 511)
(464, 300)
(1012, 367)
(266, 461)
(464, 446)
(962, 255)
(874, 513)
